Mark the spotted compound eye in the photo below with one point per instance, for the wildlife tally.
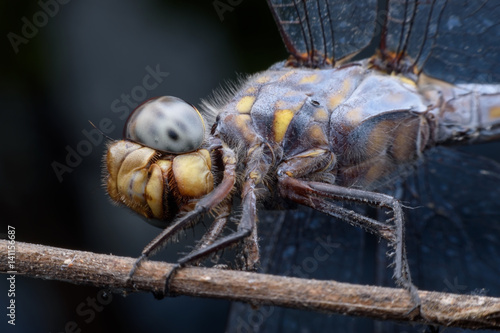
(167, 124)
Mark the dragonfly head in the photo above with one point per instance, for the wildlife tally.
(159, 167)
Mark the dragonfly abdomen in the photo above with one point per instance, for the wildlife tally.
(465, 113)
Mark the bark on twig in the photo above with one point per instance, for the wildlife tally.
(110, 271)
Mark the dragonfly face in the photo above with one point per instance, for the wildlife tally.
(147, 176)
(318, 129)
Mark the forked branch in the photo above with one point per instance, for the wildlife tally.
(108, 271)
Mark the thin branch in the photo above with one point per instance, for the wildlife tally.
(467, 311)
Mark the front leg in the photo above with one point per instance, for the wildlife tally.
(203, 205)
(257, 164)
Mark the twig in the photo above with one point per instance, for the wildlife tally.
(467, 311)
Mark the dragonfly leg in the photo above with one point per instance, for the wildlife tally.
(245, 229)
(203, 205)
(208, 238)
(316, 195)
(257, 164)
(216, 227)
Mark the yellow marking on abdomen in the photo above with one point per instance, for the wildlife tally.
(286, 75)
(263, 79)
(495, 112)
(316, 134)
(251, 90)
(321, 115)
(292, 93)
(243, 123)
(396, 98)
(340, 96)
(379, 138)
(282, 119)
(245, 104)
(334, 101)
(309, 79)
(407, 81)
(354, 115)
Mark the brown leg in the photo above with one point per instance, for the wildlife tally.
(208, 239)
(257, 164)
(217, 226)
(245, 229)
(250, 257)
(315, 195)
(205, 204)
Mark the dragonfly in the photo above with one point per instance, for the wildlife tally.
(321, 129)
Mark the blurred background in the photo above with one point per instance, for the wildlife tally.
(80, 63)
(75, 65)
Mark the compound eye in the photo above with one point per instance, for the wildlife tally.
(167, 124)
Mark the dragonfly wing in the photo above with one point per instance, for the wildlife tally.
(332, 29)
(453, 40)
(452, 239)
(454, 236)
(307, 244)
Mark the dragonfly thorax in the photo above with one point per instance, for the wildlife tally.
(367, 122)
